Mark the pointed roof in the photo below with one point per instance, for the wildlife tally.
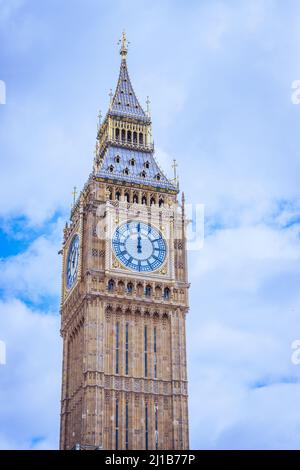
(129, 161)
(135, 167)
(125, 102)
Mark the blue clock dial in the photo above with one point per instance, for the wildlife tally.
(139, 246)
(72, 261)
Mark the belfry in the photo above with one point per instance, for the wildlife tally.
(125, 293)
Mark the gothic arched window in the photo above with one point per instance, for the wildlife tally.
(118, 195)
(148, 290)
(144, 200)
(135, 198)
(109, 193)
(141, 138)
(166, 293)
(129, 287)
(127, 197)
(123, 135)
(152, 201)
(139, 289)
(111, 285)
(161, 201)
(117, 133)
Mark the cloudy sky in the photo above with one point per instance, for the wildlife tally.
(219, 74)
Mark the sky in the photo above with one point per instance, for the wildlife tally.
(219, 75)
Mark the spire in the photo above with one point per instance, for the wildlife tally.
(124, 102)
(125, 152)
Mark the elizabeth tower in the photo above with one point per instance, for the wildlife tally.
(125, 293)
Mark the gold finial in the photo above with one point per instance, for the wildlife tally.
(110, 94)
(96, 148)
(74, 194)
(174, 166)
(124, 45)
(99, 118)
(99, 121)
(148, 105)
(183, 203)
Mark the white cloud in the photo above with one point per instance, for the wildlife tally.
(35, 273)
(38, 181)
(245, 306)
(219, 79)
(260, 246)
(30, 381)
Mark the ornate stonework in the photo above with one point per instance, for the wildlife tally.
(124, 379)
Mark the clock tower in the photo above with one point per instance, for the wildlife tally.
(125, 293)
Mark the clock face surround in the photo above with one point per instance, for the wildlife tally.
(72, 261)
(139, 246)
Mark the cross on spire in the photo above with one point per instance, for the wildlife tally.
(148, 105)
(124, 45)
(174, 166)
(99, 121)
(74, 194)
(96, 149)
(110, 94)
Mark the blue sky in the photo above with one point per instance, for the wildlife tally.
(219, 75)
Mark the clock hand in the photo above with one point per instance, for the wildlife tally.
(139, 245)
(139, 238)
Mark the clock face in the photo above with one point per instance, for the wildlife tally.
(72, 262)
(139, 246)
